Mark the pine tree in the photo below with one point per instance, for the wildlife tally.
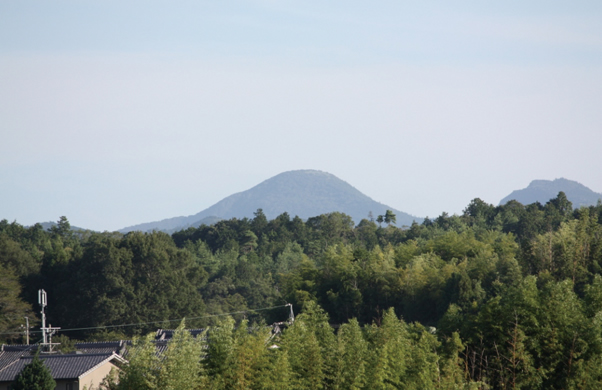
(34, 376)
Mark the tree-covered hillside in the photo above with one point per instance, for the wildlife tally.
(505, 296)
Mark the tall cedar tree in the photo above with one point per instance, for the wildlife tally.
(34, 376)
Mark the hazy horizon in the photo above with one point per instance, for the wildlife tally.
(117, 114)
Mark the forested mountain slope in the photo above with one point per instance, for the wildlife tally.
(303, 193)
(543, 190)
(499, 297)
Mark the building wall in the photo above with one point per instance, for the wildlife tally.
(90, 381)
(64, 384)
(94, 378)
(60, 385)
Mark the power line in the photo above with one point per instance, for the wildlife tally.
(157, 322)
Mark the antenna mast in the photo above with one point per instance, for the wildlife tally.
(47, 332)
(291, 315)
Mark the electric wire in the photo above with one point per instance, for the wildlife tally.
(155, 322)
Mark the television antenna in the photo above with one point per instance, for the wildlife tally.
(47, 332)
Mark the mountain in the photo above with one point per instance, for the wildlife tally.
(303, 193)
(543, 190)
(49, 224)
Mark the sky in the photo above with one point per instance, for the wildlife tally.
(115, 113)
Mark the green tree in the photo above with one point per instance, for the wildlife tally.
(12, 307)
(352, 353)
(567, 338)
(331, 228)
(273, 373)
(143, 363)
(566, 252)
(478, 213)
(219, 349)
(247, 359)
(305, 357)
(259, 223)
(289, 259)
(136, 278)
(62, 228)
(34, 376)
(340, 282)
(12, 255)
(310, 344)
(390, 217)
(181, 367)
(240, 358)
(366, 233)
(389, 353)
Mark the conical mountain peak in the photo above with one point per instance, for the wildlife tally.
(303, 193)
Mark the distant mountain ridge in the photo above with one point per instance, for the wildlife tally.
(543, 190)
(303, 193)
(50, 224)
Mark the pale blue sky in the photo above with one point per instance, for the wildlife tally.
(115, 114)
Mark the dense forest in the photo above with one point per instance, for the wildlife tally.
(498, 297)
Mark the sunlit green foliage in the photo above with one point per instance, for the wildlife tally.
(499, 297)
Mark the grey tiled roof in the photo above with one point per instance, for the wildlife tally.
(121, 347)
(18, 347)
(161, 346)
(9, 357)
(61, 366)
(103, 347)
(166, 334)
(9, 354)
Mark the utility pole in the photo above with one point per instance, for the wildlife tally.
(27, 329)
(291, 316)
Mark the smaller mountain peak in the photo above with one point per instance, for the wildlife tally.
(561, 184)
(543, 190)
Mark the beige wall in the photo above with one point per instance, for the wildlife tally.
(94, 378)
(91, 380)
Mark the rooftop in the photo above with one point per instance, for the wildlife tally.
(71, 366)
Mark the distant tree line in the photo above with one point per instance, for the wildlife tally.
(505, 296)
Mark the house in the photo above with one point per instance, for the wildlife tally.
(119, 347)
(86, 367)
(167, 334)
(70, 371)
